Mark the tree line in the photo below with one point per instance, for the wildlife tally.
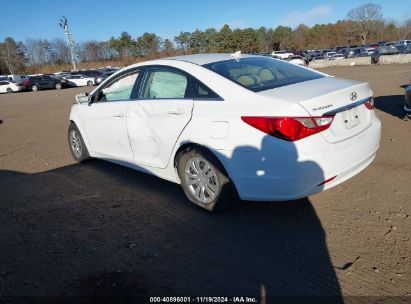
(363, 24)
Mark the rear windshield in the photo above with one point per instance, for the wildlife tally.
(261, 73)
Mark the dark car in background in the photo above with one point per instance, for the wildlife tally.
(41, 82)
(383, 50)
(404, 49)
(88, 73)
(359, 52)
(104, 76)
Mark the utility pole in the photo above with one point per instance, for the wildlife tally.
(64, 25)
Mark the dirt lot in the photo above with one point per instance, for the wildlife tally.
(71, 232)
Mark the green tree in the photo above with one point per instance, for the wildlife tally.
(183, 41)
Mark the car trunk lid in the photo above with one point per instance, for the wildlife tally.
(325, 96)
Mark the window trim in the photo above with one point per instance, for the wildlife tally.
(148, 68)
(190, 79)
(123, 74)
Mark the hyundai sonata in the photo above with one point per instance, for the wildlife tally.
(224, 124)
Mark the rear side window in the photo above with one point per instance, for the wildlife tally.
(3, 83)
(201, 91)
(262, 73)
(161, 83)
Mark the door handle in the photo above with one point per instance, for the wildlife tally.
(177, 111)
(118, 115)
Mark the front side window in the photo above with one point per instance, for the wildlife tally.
(120, 89)
(261, 73)
(165, 84)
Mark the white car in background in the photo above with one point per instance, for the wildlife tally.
(329, 55)
(80, 80)
(337, 56)
(296, 59)
(281, 54)
(220, 124)
(7, 86)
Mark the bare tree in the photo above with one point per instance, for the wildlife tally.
(404, 29)
(364, 19)
(11, 55)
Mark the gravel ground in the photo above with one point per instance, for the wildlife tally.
(71, 232)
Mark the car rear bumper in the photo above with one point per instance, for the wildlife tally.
(287, 172)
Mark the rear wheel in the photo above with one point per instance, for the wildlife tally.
(89, 83)
(77, 147)
(58, 86)
(9, 90)
(34, 88)
(204, 180)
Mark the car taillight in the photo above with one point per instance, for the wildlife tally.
(369, 104)
(289, 128)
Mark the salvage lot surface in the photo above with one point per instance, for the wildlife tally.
(98, 229)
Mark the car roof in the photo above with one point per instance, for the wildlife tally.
(202, 59)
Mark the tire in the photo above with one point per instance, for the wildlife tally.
(76, 143)
(58, 86)
(34, 88)
(89, 83)
(9, 90)
(215, 188)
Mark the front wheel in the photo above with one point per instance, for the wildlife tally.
(58, 86)
(77, 147)
(204, 180)
(89, 83)
(34, 88)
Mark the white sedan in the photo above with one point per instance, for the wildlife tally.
(222, 124)
(80, 80)
(7, 86)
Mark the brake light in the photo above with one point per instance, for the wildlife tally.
(369, 104)
(289, 128)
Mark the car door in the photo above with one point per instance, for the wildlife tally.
(3, 86)
(45, 82)
(74, 80)
(156, 120)
(105, 118)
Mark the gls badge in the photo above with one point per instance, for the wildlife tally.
(353, 96)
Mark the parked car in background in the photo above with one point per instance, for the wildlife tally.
(317, 58)
(281, 54)
(88, 73)
(7, 86)
(403, 42)
(383, 50)
(101, 78)
(337, 57)
(41, 82)
(359, 52)
(312, 54)
(404, 49)
(347, 52)
(17, 78)
(328, 55)
(80, 80)
(277, 131)
(297, 59)
(371, 48)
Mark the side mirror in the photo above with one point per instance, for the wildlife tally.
(83, 98)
